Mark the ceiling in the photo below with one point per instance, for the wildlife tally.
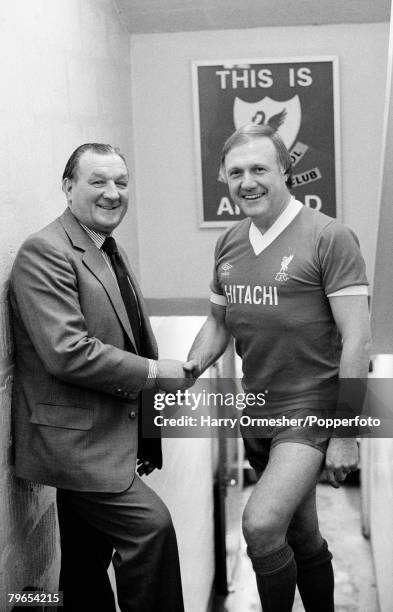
(143, 16)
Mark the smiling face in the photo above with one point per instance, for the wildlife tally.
(256, 181)
(98, 194)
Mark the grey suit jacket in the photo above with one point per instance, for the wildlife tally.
(76, 384)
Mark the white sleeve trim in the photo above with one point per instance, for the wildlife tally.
(221, 300)
(352, 290)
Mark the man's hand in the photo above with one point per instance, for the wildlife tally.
(342, 457)
(192, 368)
(144, 468)
(173, 375)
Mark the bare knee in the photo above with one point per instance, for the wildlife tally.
(262, 531)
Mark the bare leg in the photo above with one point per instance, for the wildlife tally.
(303, 532)
(290, 476)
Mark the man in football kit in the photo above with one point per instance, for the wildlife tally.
(289, 285)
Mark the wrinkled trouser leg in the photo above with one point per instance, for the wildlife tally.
(137, 524)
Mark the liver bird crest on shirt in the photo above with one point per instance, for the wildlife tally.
(282, 275)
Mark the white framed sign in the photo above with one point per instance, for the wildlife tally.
(298, 97)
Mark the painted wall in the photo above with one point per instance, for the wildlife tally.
(377, 492)
(380, 452)
(175, 255)
(186, 480)
(65, 80)
(381, 519)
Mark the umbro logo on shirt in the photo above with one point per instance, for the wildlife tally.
(225, 268)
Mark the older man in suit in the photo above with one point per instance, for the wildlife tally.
(84, 353)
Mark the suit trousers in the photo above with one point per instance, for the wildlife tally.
(134, 530)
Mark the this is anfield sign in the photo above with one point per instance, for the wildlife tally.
(296, 97)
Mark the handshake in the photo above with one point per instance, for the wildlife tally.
(174, 375)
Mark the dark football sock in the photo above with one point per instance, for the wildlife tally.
(276, 579)
(315, 580)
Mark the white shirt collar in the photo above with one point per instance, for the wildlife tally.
(259, 241)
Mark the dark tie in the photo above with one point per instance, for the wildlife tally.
(126, 288)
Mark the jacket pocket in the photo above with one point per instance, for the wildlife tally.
(68, 417)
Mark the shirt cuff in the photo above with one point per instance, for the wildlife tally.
(152, 374)
(352, 290)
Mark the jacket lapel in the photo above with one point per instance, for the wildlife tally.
(93, 260)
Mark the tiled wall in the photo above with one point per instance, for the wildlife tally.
(65, 75)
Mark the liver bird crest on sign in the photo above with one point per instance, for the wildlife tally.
(284, 117)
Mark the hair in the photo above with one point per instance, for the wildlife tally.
(250, 132)
(72, 166)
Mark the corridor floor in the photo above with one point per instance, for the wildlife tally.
(355, 591)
